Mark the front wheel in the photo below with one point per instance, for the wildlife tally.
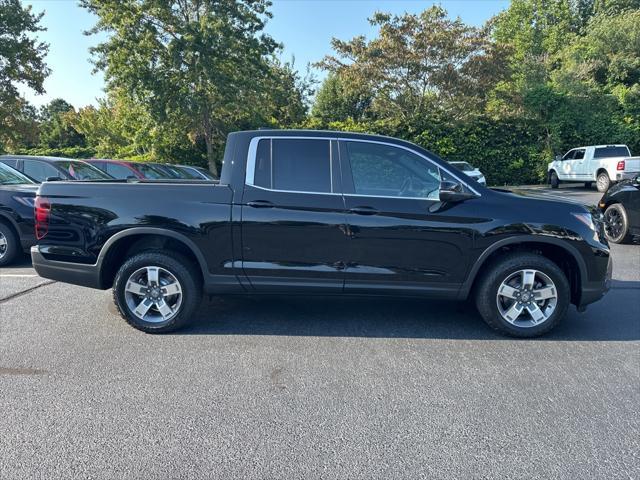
(523, 295)
(157, 292)
(603, 182)
(9, 245)
(554, 181)
(616, 224)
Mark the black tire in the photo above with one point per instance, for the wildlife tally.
(553, 180)
(486, 293)
(603, 182)
(588, 185)
(176, 265)
(616, 224)
(9, 245)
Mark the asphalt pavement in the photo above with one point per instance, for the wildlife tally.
(300, 388)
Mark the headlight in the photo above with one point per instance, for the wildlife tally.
(26, 201)
(585, 218)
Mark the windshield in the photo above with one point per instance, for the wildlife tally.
(82, 171)
(608, 152)
(9, 176)
(464, 166)
(150, 172)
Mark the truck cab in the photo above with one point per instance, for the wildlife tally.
(603, 164)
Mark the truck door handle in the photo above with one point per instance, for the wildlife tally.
(260, 204)
(364, 211)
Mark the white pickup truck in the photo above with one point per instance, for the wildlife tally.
(603, 164)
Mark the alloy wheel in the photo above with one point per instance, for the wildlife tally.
(4, 245)
(153, 294)
(527, 298)
(613, 223)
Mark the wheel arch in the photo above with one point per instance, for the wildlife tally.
(571, 262)
(133, 240)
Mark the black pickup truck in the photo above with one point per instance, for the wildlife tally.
(311, 212)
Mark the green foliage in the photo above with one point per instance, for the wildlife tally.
(21, 62)
(55, 128)
(68, 152)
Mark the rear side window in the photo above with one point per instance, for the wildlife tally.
(302, 165)
(608, 152)
(39, 171)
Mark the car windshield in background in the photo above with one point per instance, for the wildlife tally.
(9, 176)
(150, 172)
(608, 152)
(464, 166)
(83, 171)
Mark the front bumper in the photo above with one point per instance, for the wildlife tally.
(594, 291)
(67, 272)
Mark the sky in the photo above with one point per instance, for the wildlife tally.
(304, 27)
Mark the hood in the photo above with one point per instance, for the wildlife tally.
(539, 196)
(21, 188)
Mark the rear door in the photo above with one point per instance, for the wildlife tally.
(293, 234)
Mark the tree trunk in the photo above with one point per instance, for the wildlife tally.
(211, 159)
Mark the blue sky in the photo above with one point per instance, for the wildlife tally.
(305, 27)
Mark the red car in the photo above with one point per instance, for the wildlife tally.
(122, 170)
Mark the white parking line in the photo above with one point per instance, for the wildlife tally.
(17, 275)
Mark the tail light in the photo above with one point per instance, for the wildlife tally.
(42, 214)
(620, 165)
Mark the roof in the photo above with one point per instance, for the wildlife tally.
(38, 157)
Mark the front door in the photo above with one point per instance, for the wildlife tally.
(403, 239)
(293, 216)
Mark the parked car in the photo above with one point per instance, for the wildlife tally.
(621, 209)
(122, 169)
(470, 171)
(17, 198)
(200, 172)
(604, 164)
(311, 212)
(41, 169)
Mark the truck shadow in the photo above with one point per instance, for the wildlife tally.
(615, 318)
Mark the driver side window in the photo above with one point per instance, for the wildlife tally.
(387, 171)
(569, 155)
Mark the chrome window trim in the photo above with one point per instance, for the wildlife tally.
(250, 173)
(253, 148)
(415, 153)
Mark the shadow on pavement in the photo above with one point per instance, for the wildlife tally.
(615, 318)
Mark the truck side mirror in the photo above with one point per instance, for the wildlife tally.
(53, 179)
(558, 158)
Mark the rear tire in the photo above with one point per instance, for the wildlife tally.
(536, 302)
(603, 182)
(616, 224)
(157, 292)
(554, 181)
(9, 245)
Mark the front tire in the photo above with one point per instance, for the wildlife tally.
(603, 182)
(616, 224)
(9, 245)
(157, 292)
(554, 181)
(523, 295)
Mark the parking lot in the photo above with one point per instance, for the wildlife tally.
(316, 388)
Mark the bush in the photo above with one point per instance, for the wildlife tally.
(67, 152)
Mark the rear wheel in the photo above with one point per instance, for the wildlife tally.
(554, 181)
(157, 292)
(603, 182)
(616, 224)
(523, 295)
(9, 245)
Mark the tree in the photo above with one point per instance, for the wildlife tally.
(337, 101)
(416, 64)
(56, 130)
(201, 63)
(21, 62)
